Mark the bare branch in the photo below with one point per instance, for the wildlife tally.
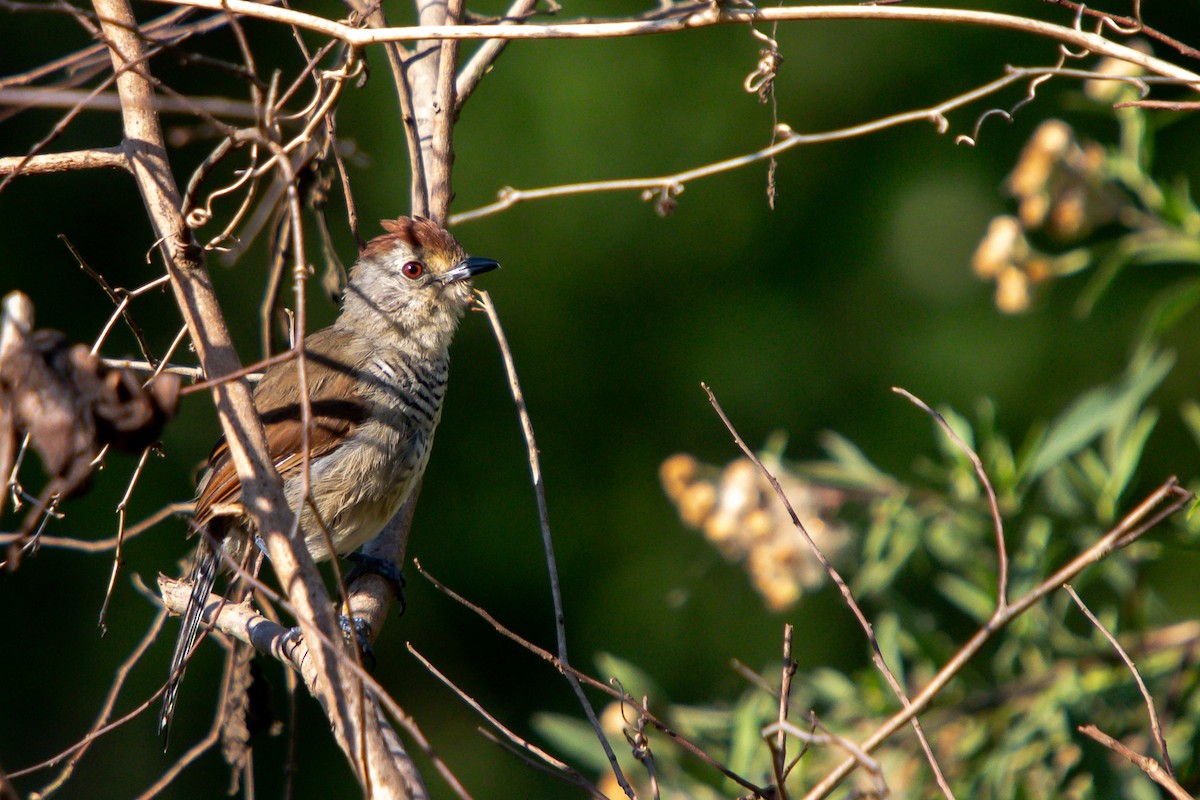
(708, 15)
(1155, 726)
(1146, 764)
(558, 768)
(99, 158)
(244, 623)
(847, 596)
(261, 487)
(102, 545)
(616, 694)
(666, 186)
(109, 702)
(560, 626)
(483, 58)
(997, 523)
(372, 11)
(1142, 518)
(108, 101)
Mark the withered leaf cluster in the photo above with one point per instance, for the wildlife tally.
(70, 403)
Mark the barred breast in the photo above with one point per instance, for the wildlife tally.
(360, 487)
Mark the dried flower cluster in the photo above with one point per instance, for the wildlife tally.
(1064, 190)
(739, 512)
(70, 404)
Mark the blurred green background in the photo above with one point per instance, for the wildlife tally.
(801, 319)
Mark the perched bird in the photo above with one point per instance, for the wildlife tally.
(376, 378)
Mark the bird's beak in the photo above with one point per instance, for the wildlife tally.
(469, 268)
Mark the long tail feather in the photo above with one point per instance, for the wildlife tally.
(204, 574)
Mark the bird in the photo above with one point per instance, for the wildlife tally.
(376, 379)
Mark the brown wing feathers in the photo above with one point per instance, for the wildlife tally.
(336, 410)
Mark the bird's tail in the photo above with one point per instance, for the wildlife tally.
(204, 574)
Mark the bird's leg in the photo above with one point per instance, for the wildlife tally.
(366, 565)
(353, 630)
(361, 633)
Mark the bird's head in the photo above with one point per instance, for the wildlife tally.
(415, 278)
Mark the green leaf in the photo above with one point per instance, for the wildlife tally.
(969, 598)
(633, 679)
(848, 466)
(962, 427)
(574, 738)
(1189, 411)
(1098, 410)
(746, 747)
(1172, 306)
(1127, 454)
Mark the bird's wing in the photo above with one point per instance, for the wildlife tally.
(335, 405)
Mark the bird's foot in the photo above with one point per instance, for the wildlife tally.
(359, 632)
(365, 564)
(355, 631)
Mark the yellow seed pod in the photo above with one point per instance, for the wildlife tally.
(1002, 245)
(696, 503)
(759, 525)
(677, 473)
(1012, 291)
(1041, 155)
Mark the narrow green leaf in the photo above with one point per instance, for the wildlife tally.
(849, 465)
(573, 738)
(1099, 409)
(632, 678)
(1189, 411)
(969, 598)
(1128, 454)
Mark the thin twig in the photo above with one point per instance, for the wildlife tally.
(445, 105)
(785, 691)
(1129, 22)
(562, 769)
(1142, 518)
(560, 628)
(1148, 765)
(103, 545)
(616, 694)
(483, 58)
(708, 15)
(847, 596)
(399, 64)
(109, 702)
(248, 372)
(827, 737)
(262, 491)
(194, 752)
(785, 139)
(1155, 726)
(45, 163)
(1165, 105)
(117, 560)
(993, 505)
(272, 639)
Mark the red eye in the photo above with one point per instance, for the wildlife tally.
(413, 269)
